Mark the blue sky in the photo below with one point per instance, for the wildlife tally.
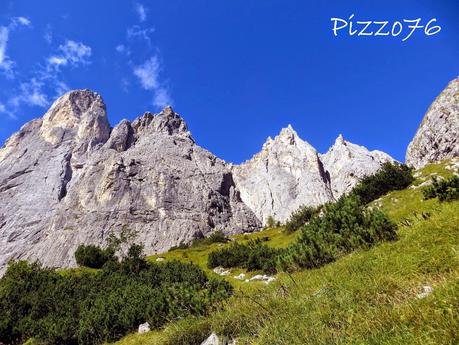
(237, 71)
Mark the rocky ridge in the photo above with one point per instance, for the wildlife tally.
(437, 138)
(69, 178)
(289, 173)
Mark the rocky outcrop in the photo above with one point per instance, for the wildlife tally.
(69, 179)
(285, 175)
(289, 173)
(347, 163)
(437, 138)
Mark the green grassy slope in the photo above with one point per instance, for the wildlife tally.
(368, 297)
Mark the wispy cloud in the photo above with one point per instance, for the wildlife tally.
(71, 53)
(141, 12)
(148, 73)
(123, 49)
(34, 90)
(20, 21)
(137, 32)
(148, 76)
(6, 64)
(48, 34)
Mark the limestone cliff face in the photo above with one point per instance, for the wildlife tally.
(68, 179)
(347, 163)
(437, 138)
(285, 175)
(289, 173)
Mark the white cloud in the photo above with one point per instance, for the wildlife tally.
(60, 88)
(30, 93)
(57, 60)
(120, 48)
(162, 98)
(137, 32)
(4, 33)
(48, 34)
(6, 64)
(2, 108)
(73, 53)
(148, 75)
(21, 21)
(125, 84)
(141, 12)
(47, 77)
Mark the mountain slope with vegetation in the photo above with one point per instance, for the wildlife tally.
(399, 292)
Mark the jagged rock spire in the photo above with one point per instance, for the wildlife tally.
(283, 176)
(346, 163)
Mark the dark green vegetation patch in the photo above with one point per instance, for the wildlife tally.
(81, 307)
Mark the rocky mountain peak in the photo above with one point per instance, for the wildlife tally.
(285, 175)
(166, 122)
(67, 179)
(346, 163)
(288, 142)
(437, 138)
(288, 135)
(340, 140)
(79, 115)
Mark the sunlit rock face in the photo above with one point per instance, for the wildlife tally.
(69, 178)
(437, 138)
(347, 163)
(285, 175)
(289, 173)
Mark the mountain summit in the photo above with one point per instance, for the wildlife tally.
(289, 173)
(68, 178)
(285, 175)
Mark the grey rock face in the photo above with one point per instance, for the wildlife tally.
(289, 173)
(348, 163)
(68, 179)
(285, 175)
(437, 138)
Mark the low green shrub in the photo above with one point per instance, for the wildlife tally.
(92, 256)
(445, 190)
(301, 217)
(215, 237)
(96, 307)
(391, 176)
(252, 256)
(342, 227)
